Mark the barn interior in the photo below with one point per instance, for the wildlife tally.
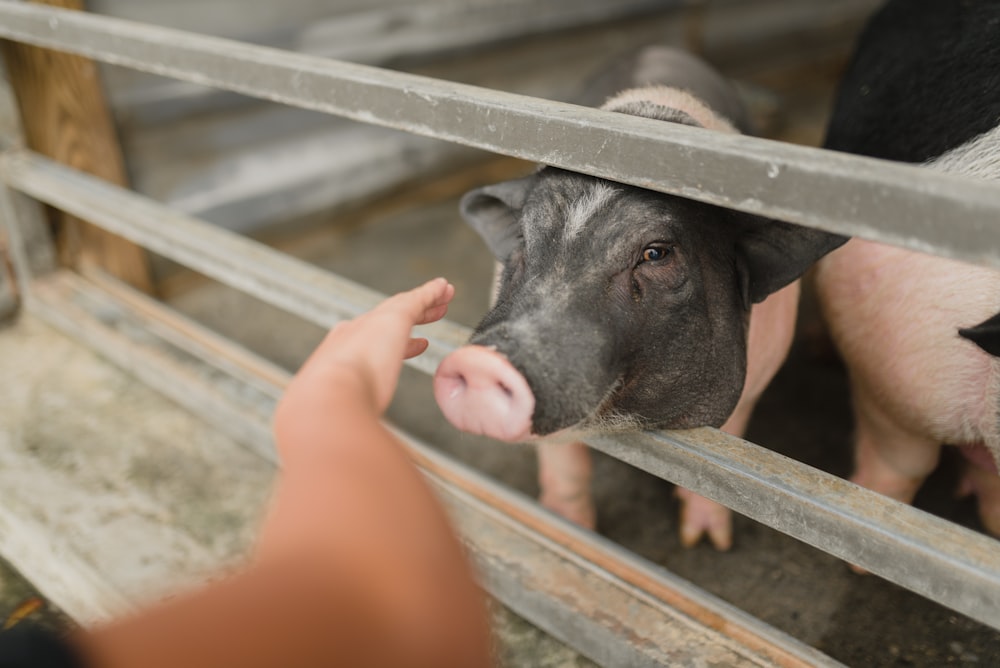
(153, 497)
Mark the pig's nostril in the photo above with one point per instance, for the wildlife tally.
(506, 390)
(459, 386)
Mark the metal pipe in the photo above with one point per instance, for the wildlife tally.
(874, 199)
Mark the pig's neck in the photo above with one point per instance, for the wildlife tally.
(670, 99)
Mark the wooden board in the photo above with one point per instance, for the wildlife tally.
(65, 116)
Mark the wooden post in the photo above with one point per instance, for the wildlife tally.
(66, 117)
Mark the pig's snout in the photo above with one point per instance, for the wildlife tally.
(480, 392)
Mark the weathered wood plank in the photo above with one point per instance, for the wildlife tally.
(65, 116)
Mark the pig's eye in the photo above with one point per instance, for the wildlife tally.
(655, 252)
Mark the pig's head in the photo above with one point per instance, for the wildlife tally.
(617, 307)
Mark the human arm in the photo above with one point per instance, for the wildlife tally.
(356, 563)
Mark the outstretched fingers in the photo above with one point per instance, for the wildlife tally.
(415, 347)
(424, 304)
(420, 306)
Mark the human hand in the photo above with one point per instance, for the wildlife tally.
(369, 350)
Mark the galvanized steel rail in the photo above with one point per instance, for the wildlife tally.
(873, 199)
(948, 563)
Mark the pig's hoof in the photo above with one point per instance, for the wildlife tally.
(704, 517)
(577, 510)
(985, 485)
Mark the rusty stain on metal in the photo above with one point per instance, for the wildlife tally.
(24, 609)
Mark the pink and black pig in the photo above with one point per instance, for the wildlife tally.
(620, 308)
(916, 331)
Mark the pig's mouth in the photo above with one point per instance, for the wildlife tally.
(607, 418)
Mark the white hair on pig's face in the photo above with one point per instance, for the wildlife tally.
(586, 207)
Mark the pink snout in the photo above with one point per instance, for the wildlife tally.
(480, 392)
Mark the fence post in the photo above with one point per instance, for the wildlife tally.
(66, 117)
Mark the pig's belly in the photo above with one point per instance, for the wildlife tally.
(894, 315)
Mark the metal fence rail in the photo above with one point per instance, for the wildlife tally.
(873, 199)
(858, 196)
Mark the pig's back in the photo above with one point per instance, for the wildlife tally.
(922, 81)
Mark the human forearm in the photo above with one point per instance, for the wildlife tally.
(350, 489)
(291, 612)
(356, 563)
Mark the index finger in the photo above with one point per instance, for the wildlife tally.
(423, 304)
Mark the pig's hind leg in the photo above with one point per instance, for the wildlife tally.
(888, 458)
(564, 473)
(980, 478)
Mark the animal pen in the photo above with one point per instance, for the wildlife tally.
(602, 600)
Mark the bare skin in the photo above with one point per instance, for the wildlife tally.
(356, 563)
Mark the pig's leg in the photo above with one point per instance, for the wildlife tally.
(888, 459)
(564, 472)
(701, 516)
(980, 478)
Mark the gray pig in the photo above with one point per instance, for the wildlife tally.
(620, 308)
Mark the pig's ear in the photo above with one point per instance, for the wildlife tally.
(493, 211)
(775, 253)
